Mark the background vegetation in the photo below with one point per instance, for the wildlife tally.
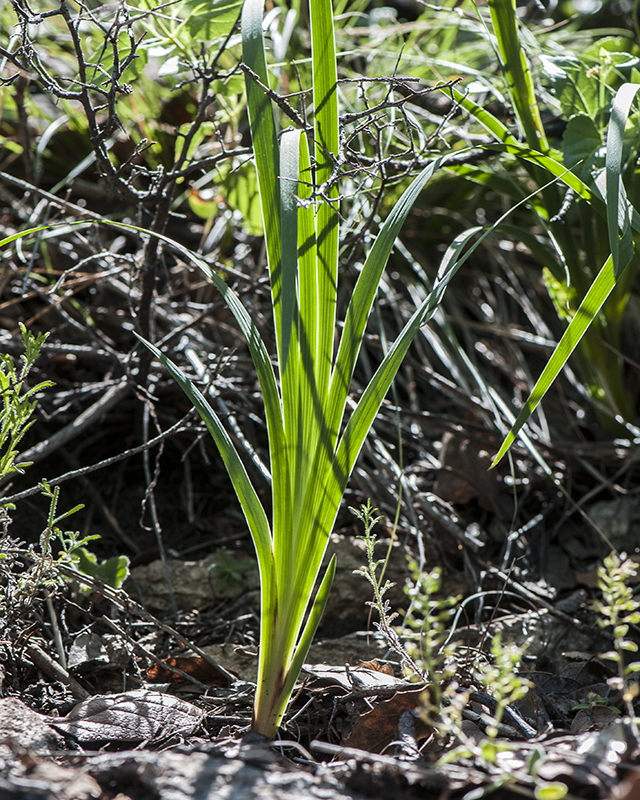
(136, 113)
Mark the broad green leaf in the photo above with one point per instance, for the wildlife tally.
(87, 562)
(213, 20)
(242, 195)
(551, 790)
(577, 91)
(114, 571)
(204, 203)
(206, 130)
(581, 146)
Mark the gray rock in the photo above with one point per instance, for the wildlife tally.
(22, 729)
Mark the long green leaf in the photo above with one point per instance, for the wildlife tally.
(290, 166)
(600, 289)
(364, 293)
(369, 404)
(315, 615)
(265, 146)
(606, 279)
(509, 144)
(617, 203)
(517, 72)
(327, 144)
(249, 501)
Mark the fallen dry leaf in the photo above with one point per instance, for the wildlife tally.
(596, 718)
(135, 716)
(196, 666)
(375, 666)
(376, 729)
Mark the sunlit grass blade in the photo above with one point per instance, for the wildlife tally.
(265, 146)
(365, 291)
(584, 316)
(507, 143)
(606, 279)
(311, 626)
(290, 166)
(517, 72)
(327, 144)
(618, 217)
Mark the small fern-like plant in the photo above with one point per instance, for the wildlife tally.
(18, 402)
(617, 611)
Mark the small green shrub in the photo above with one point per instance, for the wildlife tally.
(18, 402)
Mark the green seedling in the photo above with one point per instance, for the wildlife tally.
(229, 573)
(18, 402)
(113, 572)
(617, 611)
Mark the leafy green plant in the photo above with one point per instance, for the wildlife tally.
(500, 676)
(368, 518)
(312, 448)
(589, 273)
(421, 643)
(430, 617)
(56, 548)
(112, 572)
(70, 542)
(18, 402)
(228, 571)
(617, 611)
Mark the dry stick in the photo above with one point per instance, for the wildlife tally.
(72, 208)
(147, 654)
(110, 398)
(55, 671)
(518, 588)
(107, 462)
(449, 525)
(123, 601)
(535, 598)
(57, 638)
(97, 498)
(426, 771)
(150, 499)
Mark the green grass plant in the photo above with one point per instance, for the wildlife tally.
(590, 262)
(313, 448)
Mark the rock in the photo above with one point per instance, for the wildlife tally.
(22, 729)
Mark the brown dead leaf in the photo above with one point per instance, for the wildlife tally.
(596, 718)
(196, 666)
(376, 729)
(63, 783)
(629, 789)
(376, 666)
(136, 716)
(465, 473)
